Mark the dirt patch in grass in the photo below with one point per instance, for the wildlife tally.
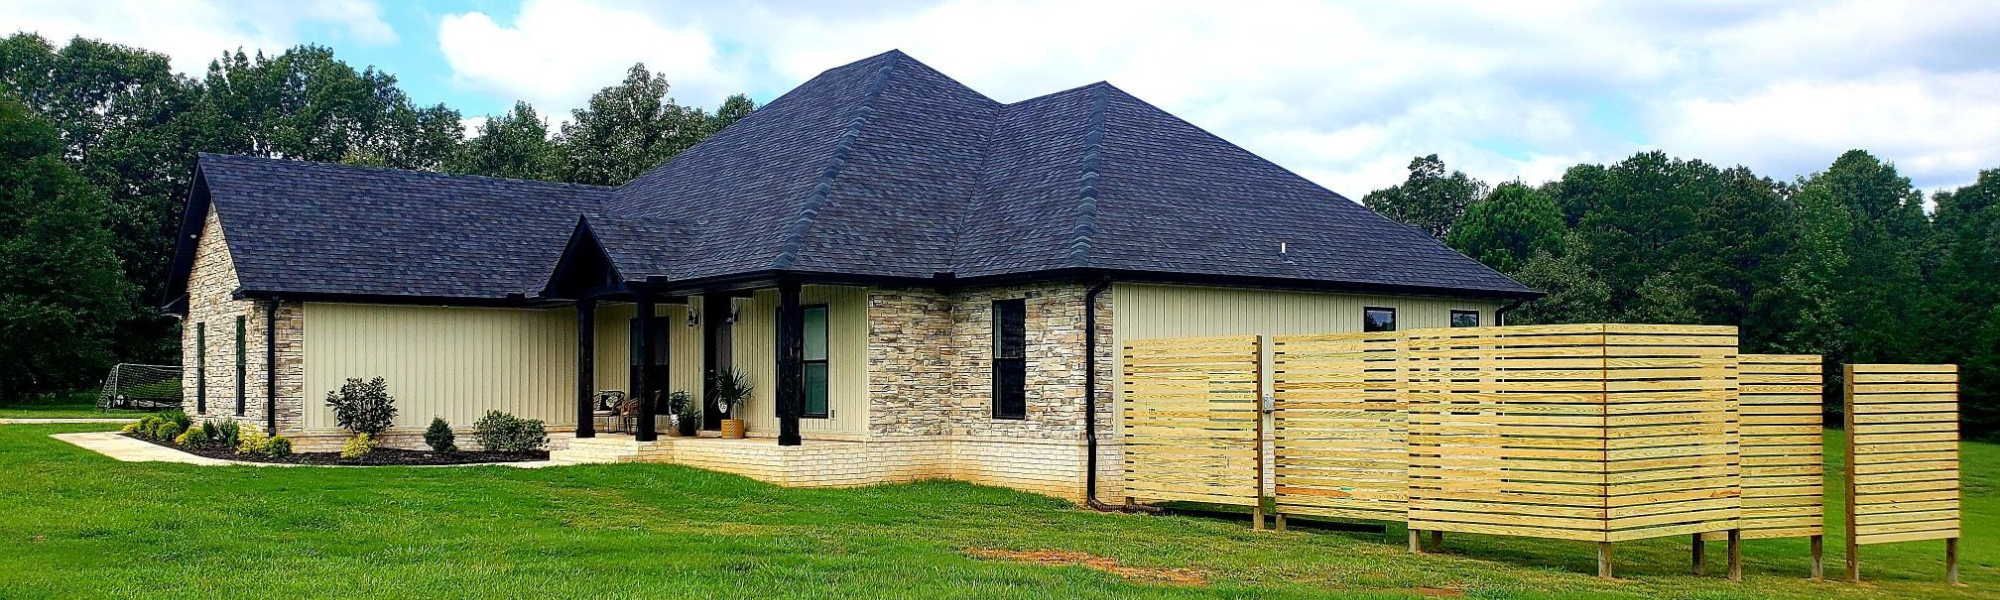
(377, 457)
(1091, 561)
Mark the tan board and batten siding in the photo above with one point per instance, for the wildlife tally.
(453, 363)
(756, 338)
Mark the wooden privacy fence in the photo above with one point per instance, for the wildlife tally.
(1600, 433)
(1339, 419)
(1192, 420)
(1784, 471)
(1902, 458)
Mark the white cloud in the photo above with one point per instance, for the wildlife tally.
(555, 53)
(194, 32)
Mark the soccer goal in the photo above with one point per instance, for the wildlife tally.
(143, 387)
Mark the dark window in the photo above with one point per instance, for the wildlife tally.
(814, 353)
(242, 366)
(1464, 318)
(815, 364)
(1010, 360)
(201, 367)
(656, 375)
(1378, 319)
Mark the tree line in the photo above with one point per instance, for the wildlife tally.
(99, 142)
(1850, 263)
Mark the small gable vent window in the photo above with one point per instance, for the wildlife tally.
(1375, 319)
(1010, 359)
(1464, 318)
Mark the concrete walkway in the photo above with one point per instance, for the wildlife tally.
(114, 445)
(60, 421)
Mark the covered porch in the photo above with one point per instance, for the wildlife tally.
(641, 337)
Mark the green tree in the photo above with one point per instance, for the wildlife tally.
(513, 145)
(628, 129)
(1509, 227)
(733, 109)
(1576, 294)
(1961, 322)
(61, 290)
(123, 116)
(1430, 199)
(306, 104)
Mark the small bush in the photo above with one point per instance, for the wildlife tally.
(440, 437)
(363, 406)
(194, 437)
(227, 432)
(503, 432)
(251, 440)
(147, 426)
(279, 447)
(178, 418)
(358, 446)
(131, 428)
(166, 431)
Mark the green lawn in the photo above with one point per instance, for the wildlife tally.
(77, 405)
(77, 525)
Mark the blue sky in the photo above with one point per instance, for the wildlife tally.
(1344, 93)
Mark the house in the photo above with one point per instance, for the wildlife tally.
(920, 280)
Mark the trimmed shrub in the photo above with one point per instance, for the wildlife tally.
(209, 429)
(503, 432)
(131, 428)
(363, 406)
(279, 447)
(147, 426)
(194, 437)
(358, 446)
(440, 437)
(165, 430)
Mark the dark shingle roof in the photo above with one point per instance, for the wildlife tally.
(303, 227)
(884, 167)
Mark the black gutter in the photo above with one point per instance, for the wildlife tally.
(271, 368)
(1090, 402)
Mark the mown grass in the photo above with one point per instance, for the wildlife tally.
(76, 405)
(78, 525)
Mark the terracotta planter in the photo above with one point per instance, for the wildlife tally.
(732, 429)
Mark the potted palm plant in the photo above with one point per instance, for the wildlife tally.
(687, 414)
(730, 388)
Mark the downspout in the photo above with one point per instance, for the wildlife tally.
(271, 368)
(1090, 402)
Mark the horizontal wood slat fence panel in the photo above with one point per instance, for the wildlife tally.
(1784, 472)
(1192, 420)
(1902, 448)
(1586, 432)
(1339, 424)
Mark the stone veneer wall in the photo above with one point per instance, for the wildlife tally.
(930, 376)
(212, 284)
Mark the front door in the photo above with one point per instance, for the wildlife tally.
(716, 352)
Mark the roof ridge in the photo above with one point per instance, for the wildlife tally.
(1086, 209)
(795, 238)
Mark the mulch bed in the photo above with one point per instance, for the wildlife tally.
(379, 457)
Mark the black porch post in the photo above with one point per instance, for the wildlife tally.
(791, 362)
(646, 431)
(715, 314)
(586, 351)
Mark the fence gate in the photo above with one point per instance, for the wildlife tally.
(1902, 458)
(1192, 422)
(1338, 426)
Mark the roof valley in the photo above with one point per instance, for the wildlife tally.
(795, 238)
